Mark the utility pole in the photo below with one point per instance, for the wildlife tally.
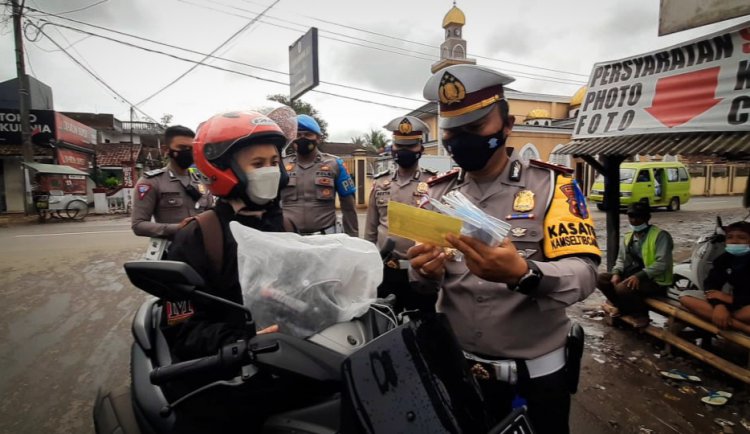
(24, 99)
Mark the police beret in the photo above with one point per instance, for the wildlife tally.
(407, 130)
(465, 93)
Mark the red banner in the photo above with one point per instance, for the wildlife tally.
(74, 159)
(73, 132)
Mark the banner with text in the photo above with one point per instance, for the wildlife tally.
(697, 86)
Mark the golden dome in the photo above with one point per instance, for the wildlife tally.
(454, 16)
(578, 96)
(538, 114)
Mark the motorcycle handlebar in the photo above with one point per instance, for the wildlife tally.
(165, 374)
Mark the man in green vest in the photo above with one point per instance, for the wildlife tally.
(643, 268)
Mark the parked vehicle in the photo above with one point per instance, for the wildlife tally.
(692, 273)
(662, 184)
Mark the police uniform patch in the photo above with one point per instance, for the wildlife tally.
(515, 171)
(289, 167)
(325, 167)
(523, 201)
(568, 228)
(142, 190)
(328, 182)
(202, 188)
(518, 232)
(326, 193)
(387, 184)
(422, 188)
(575, 199)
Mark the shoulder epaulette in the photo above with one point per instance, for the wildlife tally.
(443, 177)
(551, 166)
(381, 174)
(429, 171)
(155, 172)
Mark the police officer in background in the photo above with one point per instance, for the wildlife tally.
(309, 200)
(407, 183)
(507, 303)
(171, 194)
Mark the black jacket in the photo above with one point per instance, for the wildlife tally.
(734, 270)
(211, 327)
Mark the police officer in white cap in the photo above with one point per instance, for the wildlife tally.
(507, 303)
(407, 183)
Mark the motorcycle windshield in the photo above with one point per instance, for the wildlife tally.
(412, 379)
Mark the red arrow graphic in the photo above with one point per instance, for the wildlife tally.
(680, 98)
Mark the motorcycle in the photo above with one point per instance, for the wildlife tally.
(368, 375)
(692, 273)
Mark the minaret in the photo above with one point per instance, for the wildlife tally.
(453, 49)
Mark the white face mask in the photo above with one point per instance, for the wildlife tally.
(263, 184)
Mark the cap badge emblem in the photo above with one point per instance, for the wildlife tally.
(405, 127)
(451, 89)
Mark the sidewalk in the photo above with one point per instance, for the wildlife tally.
(19, 219)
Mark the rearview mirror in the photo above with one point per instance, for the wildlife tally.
(169, 280)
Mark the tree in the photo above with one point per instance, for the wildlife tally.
(166, 119)
(376, 140)
(303, 108)
(359, 141)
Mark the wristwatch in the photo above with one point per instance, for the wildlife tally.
(529, 281)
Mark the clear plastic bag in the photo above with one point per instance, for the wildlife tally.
(305, 284)
(476, 223)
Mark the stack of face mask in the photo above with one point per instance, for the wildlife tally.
(476, 223)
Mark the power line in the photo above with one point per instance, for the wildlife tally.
(403, 52)
(427, 45)
(174, 56)
(84, 8)
(209, 55)
(89, 34)
(93, 74)
(210, 66)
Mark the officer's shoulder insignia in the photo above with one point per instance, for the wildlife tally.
(551, 166)
(155, 172)
(429, 171)
(447, 176)
(381, 174)
(516, 168)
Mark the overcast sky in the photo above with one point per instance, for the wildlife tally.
(530, 39)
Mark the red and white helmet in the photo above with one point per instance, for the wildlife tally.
(221, 136)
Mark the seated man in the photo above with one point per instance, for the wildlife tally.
(643, 268)
(726, 301)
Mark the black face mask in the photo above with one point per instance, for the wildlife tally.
(183, 158)
(471, 151)
(305, 146)
(406, 158)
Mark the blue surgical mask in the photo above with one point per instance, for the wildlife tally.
(640, 227)
(737, 249)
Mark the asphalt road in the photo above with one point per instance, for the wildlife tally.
(65, 325)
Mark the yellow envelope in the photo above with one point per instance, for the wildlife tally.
(420, 224)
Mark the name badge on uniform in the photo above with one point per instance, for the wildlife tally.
(523, 201)
(515, 171)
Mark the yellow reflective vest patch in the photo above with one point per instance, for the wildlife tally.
(568, 227)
